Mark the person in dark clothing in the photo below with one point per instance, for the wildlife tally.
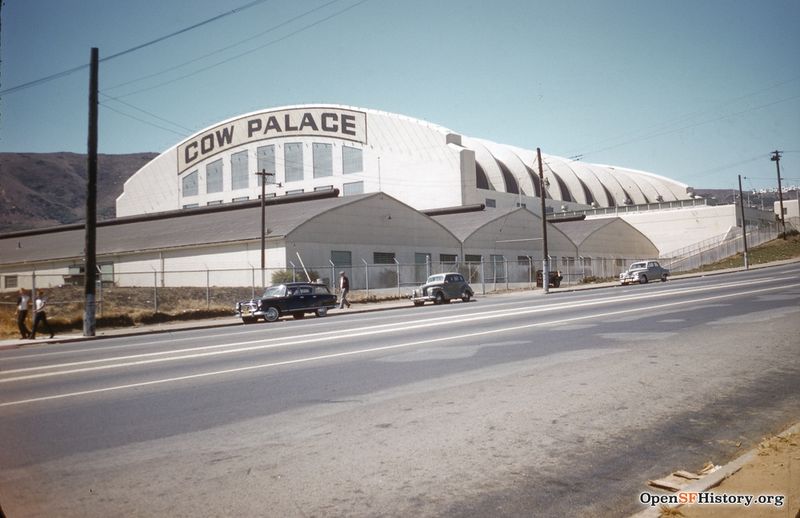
(39, 314)
(344, 285)
(23, 300)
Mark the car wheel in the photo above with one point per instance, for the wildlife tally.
(465, 296)
(643, 279)
(249, 320)
(271, 314)
(299, 315)
(439, 298)
(663, 278)
(321, 312)
(418, 303)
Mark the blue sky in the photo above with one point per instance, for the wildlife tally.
(696, 90)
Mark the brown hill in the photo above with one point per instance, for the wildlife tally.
(46, 189)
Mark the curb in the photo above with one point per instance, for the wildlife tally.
(714, 479)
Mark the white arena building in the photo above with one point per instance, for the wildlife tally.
(354, 188)
(356, 150)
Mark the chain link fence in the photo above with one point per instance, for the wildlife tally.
(174, 291)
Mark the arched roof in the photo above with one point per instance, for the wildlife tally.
(570, 180)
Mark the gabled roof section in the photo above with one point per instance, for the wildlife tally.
(465, 224)
(580, 231)
(200, 229)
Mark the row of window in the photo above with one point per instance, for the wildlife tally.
(293, 167)
(348, 189)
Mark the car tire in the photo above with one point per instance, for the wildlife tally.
(271, 314)
(643, 279)
(439, 299)
(418, 303)
(321, 312)
(663, 278)
(298, 315)
(465, 296)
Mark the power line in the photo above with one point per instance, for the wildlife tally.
(242, 54)
(189, 130)
(141, 120)
(223, 49)
(657, 129)
(64, 73)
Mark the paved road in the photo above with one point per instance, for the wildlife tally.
(510, 405)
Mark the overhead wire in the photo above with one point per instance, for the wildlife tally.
(242, 54)
(64, 73)
(223, 49)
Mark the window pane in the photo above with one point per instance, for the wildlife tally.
(491, 203)
(352, 160)
(214, 177)
(353, 188)
(189, 184)
(341, 258)
(471, 258)
(240, 179)
(293, 161)
(323, 160)
(447, 258)
(265, 156)
(383, 257)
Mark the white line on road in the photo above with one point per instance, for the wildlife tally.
(380, 349)
(271, 343)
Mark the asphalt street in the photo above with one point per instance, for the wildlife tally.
(509, 405)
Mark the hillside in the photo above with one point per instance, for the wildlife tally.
(46, 189)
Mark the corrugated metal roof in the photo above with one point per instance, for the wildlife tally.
(463, 225)
(224, 226)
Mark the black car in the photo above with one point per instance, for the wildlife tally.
(291, 298)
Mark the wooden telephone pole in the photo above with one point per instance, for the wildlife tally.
(90, 264)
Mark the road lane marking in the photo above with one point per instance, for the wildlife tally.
(377, 349)
(270, 343)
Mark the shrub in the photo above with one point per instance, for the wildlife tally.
(282, 276)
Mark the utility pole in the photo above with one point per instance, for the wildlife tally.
(545, 256)
(90, 263)
(744, 224)
(263, 174)
(776, 157)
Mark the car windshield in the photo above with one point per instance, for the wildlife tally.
(435, 278)
(636, 266)
(274, 291)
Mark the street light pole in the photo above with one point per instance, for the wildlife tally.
(263, 174)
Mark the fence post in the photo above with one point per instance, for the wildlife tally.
(427, 266)
(505, 268)
(530, 271)
(155, 291)
(366, 274)
(398, 275)
(252, 282)
(208, 289)
(483, 277)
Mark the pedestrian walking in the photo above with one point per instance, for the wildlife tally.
(40, 314)
(23, 300)
(344, 285)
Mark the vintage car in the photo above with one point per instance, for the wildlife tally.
(441, 288)
(642, 272)
(291, 298)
